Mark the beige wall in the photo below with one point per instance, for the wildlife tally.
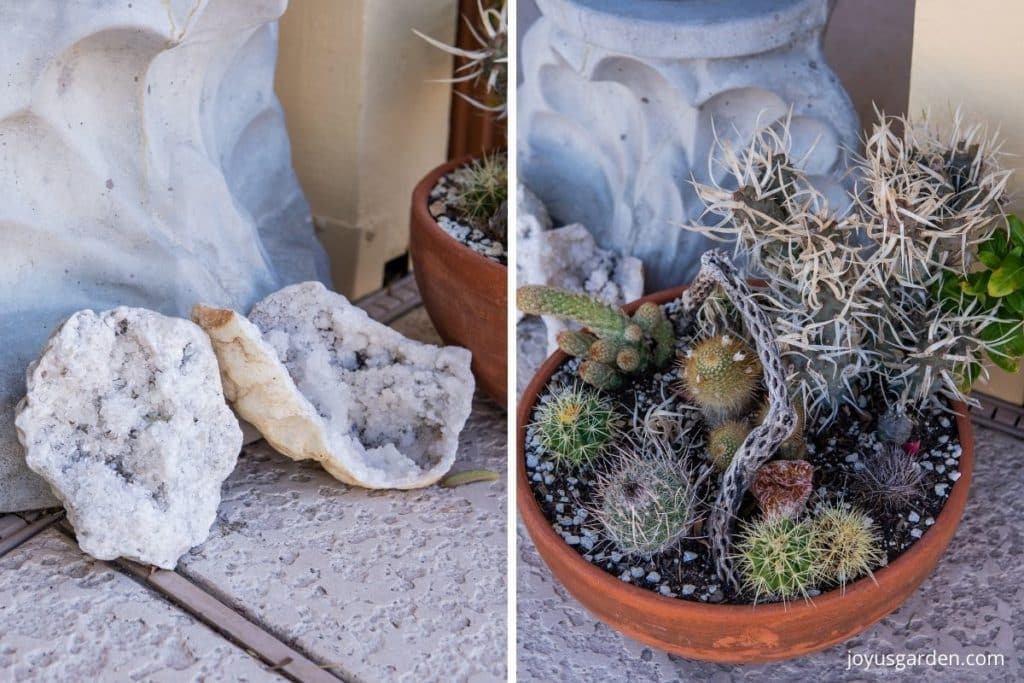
(365, 121)
(970, 56)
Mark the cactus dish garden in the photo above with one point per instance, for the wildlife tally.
(785, 428)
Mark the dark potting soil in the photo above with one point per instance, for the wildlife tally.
(686, 571)
(442, 209)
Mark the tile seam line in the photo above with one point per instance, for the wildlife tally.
(290, 666)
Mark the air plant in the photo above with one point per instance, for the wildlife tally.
(855, 299)
(485, 66)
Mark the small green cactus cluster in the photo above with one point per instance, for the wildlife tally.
(795, 447)
(614, 345)
(647, 504)
(782, 558)
(481, 192)
(722, 375)
(576, 425)
(724, 441)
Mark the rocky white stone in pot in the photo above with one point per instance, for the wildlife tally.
(126, 420)
(323, 381)
(622, 102)
(145, 162)
(568, 258)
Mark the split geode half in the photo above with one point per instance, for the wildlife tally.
(126, 420)
(321, 380)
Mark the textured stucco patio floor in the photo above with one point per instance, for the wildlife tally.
(974, 602)
(370, 585)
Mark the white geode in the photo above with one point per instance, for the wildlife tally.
(569, 258)
(126, 420)
(323, 381)
(144, 162)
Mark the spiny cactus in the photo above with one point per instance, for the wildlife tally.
(795, 447)
(778, 558)
(721, 375)
(891, 477)
(724, 441)
(849, 544)
(647, 503)
(481, 192)
(576, 425)
(615, 345)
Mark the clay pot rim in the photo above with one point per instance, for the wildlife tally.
(421, 208)
(538, 524)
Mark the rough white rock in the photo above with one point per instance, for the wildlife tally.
(621, 104)
(145, 162)
(568, 257)
(126, 419)
(323, 381)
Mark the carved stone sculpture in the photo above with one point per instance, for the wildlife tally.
(624, 104)
(144, 162)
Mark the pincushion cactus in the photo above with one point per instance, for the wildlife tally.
(778, 557)
(647, 503)
(615, 345)
(724, 441)
(576, 425)
(721, 375)
(891, 477)
(849, 544)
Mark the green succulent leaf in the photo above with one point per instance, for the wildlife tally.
(1016, 226)
(988, 256)
(1015, 302)
(1007, 339)
(999, 244)
(977, 283)
(968, 374)
(1010, 276)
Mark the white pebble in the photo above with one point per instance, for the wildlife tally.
(927, 465)
(688, 589)
(940, 489)
(913, 518)
(929, 521)
(916, 533)
(689, 556)
(944, 438)
(944, 421)
(654, 577)
(637, 571)
(953, 476)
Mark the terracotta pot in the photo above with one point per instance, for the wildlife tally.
(465, 294)
(736, 634)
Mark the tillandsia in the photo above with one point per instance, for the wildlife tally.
(486, 65)
(615, 344)
(865, 299)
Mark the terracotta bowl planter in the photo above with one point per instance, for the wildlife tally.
(465, 294)
(736, 634)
